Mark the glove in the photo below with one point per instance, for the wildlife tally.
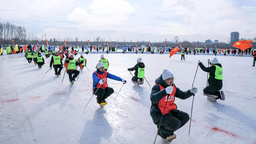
(199, 61)
(193, 90)
(124, 81)
(209, 61)
(169, 89)
(128, 69)
(101, 82)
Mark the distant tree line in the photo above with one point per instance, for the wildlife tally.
(10, 32)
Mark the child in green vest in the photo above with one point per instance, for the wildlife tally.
(71, 67)
(105, 62)
(139, 69)
(40, 61)
(81, 58)
(215, 78)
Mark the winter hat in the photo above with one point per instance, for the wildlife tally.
(167, 74)
(99, 65)
(102, 56)
(139, 60)
(214, 61)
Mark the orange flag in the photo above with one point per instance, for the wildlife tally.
(25, 47)
(174, 51)
(61, 48)
(243, 44)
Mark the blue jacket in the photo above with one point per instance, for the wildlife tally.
(109, 75)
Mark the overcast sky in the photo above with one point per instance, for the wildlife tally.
(154, 20)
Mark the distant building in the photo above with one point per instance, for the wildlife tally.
(234, 37)
(208, 41)
(216, 41)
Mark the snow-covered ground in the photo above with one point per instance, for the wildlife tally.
(35, 108)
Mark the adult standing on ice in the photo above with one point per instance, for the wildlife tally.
(100, 85)
(214, 79)
(57, 63)
(139, 70)
(254, 57)
(163, 109)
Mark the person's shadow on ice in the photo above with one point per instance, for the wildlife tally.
(96, 128)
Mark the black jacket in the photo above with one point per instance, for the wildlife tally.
(52, 61)
(212, 81)
(140, 65)
(77, 63)
(157, 95)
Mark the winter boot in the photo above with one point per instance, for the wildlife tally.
(101, 103)
(170, 138)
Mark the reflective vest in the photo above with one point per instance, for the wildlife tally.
(40, 59)
(105, 62)
(47, 52)
(82, 59)
(166, 104)
(182, 52)
(72, 64)
(56, 60)
(141, 72)
(35, 55)
(104, 78)
(218, 72)
(8, 49)
(29, 55)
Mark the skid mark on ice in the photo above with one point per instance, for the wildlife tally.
(134, 99)
(10, 100)
(236, 114)
(224, 131)
(193, 120)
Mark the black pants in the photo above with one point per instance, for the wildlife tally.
(29, 60)
(134, 78)
(254, 59)
(35, 60)
(172, 122)
(211, 90)
(70, 72)
(56, 67)
(102, 94)
(40, 64)
(182, 56)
